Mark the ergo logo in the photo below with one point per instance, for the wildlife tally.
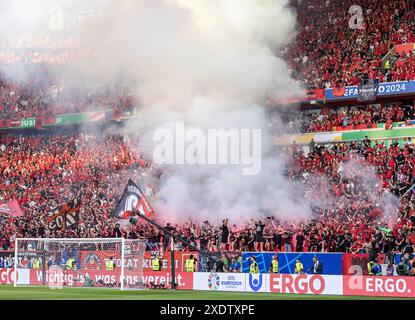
(302, 284)
(7, 276)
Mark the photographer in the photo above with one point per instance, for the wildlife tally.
(402, 268)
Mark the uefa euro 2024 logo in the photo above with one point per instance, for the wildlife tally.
(213, 281)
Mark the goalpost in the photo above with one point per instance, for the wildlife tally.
(73, 262)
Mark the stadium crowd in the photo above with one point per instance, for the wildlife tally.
(46, 170)
(42, 99)
(327, 52)
(349, 118)
(43, 171)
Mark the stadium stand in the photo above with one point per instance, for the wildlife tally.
(349, 118)
(327, 54)
(40, 170)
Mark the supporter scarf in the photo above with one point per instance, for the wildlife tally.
(65, 216)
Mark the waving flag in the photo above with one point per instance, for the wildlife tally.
(65, 216)
(132, 201)
(11, 208)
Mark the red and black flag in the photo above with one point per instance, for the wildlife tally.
(132, 201)
(65, 216)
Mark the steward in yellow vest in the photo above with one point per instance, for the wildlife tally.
(299, 268)
(253, 268)
(71, 263)
(190, 264)
(370, 266)
(36, 264)
(156, 264)
(110, 265)
(274, 265)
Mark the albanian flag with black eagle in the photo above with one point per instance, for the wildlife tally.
(65, 216)
(132, 201)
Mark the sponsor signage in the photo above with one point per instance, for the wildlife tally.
(27, 123)
(72, 118)
(383, 89)
(218, 281)
(379, 286)
(7, 276)
(274, 283)
(393, 286)
(305, 284)
(257, 282)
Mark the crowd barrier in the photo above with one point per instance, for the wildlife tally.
(241, 282)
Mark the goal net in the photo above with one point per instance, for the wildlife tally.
(67, 262)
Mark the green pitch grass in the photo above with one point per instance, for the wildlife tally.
(8, 292)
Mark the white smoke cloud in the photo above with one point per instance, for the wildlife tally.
(209, 63)
(368, 183)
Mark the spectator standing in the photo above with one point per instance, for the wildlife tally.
(317, 267)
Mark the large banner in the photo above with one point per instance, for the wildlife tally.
(384, 89)
(95, 260)
(379, 286)
(332, 262)
(107, 278)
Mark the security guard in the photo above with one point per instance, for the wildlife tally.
(190, 264)
(71, 263)
(402, 268)
(274, 265)
(253, 268)
(370, 266)
(387, 65)
(36, 264)
(299, 268)
(156, 264)
(110, 265)
(377, 268)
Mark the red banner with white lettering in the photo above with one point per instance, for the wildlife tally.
(95, 260)
(353, 263)
(105, 278)
(379, 286)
